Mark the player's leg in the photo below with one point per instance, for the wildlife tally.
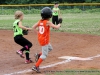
(56, 19)
(50, 47)
(27, 45)
(42, 57)
(53, 19)
(18, 40)
(37, 55)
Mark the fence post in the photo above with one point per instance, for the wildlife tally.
(29, 9)
(2, 10)
(83, 8)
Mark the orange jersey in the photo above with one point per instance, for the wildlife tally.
(43, 33)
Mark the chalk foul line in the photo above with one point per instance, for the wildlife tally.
(66, 60)
(43, 67)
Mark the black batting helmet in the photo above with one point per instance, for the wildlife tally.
(46, 13)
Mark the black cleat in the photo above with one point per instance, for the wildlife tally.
(36, 69)
(37, 56)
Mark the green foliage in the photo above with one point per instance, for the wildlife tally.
(88, 1)
(44, 1)
(75, 1)
(98, 1)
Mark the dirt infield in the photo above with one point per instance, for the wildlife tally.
(64, 44)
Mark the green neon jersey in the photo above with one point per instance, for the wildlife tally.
(17, 30)
(55, 11)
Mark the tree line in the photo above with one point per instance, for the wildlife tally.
(46, 1)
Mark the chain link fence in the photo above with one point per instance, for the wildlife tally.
(35, 8)
(77, 18)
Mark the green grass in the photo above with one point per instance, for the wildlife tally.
(82, 23)
(74, 72)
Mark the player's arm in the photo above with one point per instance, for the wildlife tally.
(52, 25)
(34, 27)
(59, 13)
(23, 27)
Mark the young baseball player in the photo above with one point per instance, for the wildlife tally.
(43, 36)
(18, 36)
(56, 13)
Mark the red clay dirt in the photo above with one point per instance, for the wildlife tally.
(64, 44)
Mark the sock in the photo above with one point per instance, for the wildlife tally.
(38, 62)
(27, 55)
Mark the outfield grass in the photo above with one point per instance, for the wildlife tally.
(82, 23)
(74, 72)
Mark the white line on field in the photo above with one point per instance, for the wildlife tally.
(67, 59)
(29, 70)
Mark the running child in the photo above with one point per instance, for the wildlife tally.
(43, 36)
(18, 36)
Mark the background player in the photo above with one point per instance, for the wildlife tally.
(18, 36)
(56, 14)
(43, 36)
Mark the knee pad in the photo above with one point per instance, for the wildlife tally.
(50, 49)
(43, 57)
(27, 47)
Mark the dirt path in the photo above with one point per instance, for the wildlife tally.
(64, 44)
